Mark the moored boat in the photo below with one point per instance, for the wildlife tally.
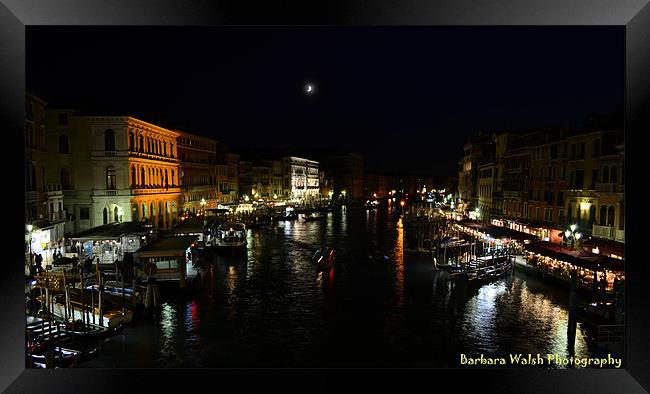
(230, 236)
(482, 270)
(314, 218)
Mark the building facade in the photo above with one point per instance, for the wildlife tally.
(301, 179)
(115, 169)
(198, 175)
(228, 178)
(44, 209)
(348, 174)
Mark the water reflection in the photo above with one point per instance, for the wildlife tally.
(270, 307)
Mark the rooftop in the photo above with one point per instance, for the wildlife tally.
(168, 244)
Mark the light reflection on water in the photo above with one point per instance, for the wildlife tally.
(271, 307)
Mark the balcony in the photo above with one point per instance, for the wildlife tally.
(510, 194)
(161, 190)
(54, 190)
(606, 232)
(152, 156)
(606, 187)
(58, 216)
(620, 236)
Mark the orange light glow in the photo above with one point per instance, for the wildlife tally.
(402, 203)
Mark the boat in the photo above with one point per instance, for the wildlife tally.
(481, 270)
(92, 332)
(314, 218)
(598, 313)
(378, 258)
(113, 311)
(60, 357)
(289, 216)
(371, 204)
(324, 257)
(230, 236)
(113, 288)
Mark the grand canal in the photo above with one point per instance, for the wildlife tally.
(271, 307)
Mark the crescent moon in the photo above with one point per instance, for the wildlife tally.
(308, 88)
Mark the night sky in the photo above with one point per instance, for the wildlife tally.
(407, 98)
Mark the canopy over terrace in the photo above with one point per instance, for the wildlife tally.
(497, 232)
(580, 258)
(606, 247)
(110, 241)
(192, 226)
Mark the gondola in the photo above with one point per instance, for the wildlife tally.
(314, 218)
(96, 333)
(324, 258)
(483, 270)
(61, 357)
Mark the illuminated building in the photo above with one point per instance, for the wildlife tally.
(301, 178)
(114, 169)
(198, 175)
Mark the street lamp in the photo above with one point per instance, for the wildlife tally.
(203, 205)
(572, 234)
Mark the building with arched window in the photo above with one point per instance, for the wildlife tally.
(44, 209)
(115, 165)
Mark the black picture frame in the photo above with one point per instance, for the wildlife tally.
(16, 14)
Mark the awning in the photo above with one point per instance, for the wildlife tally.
(113, 231)
(581, 257)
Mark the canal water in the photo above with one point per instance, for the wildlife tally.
(271, 307)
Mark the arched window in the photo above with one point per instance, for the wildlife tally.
(592, 215)
(603, 216)
(605, 174)
(164, 148)
(134, 180)
(144, 211)
(171, 150)
(131, 141)
(110, 178)
(142, 176)
(621, 216)
(610, 215)
(109, 140)
(105, 216)
(64, 144)
(166, 181)
(141, 144)
(613, 174)
(173, 177)
(64, 176)
(116, 214)
(134, 213)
